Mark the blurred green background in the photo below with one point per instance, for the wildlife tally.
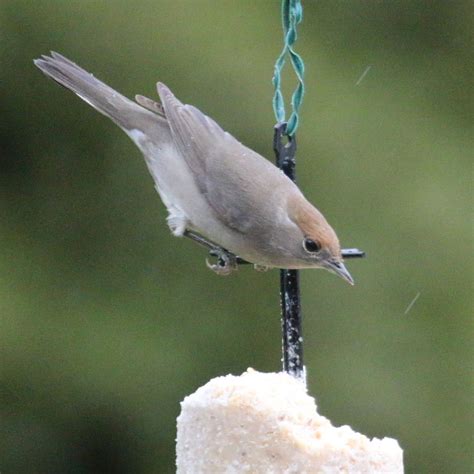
(107, 322)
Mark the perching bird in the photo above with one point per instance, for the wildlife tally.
(210, 183)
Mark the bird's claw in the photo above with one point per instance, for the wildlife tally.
(226, 262)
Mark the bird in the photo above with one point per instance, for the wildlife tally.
(212, 185)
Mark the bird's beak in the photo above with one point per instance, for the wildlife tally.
(339, 269)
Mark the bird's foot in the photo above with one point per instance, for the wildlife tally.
(226, 261)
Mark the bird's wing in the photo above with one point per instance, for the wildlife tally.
(150, 105)
(232, 177)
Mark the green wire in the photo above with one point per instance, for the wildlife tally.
(292, 14)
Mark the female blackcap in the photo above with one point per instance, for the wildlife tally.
(210, 183)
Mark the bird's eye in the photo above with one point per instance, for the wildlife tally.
(311, 245)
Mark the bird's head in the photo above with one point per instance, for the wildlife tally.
(319, 246)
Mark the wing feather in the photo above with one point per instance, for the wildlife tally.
(232, 177)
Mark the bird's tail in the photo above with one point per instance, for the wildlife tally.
(125, 113)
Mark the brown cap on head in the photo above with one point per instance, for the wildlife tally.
(313, 224)
(315, 227)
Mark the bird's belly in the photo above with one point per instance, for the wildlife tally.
(180, 194)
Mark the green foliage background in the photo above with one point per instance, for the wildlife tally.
(107, 322)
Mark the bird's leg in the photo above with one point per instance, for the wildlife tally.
(226, 261)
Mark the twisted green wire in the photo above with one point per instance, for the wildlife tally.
(292, 14)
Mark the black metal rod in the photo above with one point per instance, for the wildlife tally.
(211, 246)
(352, 253)
(291, 324)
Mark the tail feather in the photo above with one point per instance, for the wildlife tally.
(125, 113)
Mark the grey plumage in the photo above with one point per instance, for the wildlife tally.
(122, 111)
(210, 182)
(215, 158)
